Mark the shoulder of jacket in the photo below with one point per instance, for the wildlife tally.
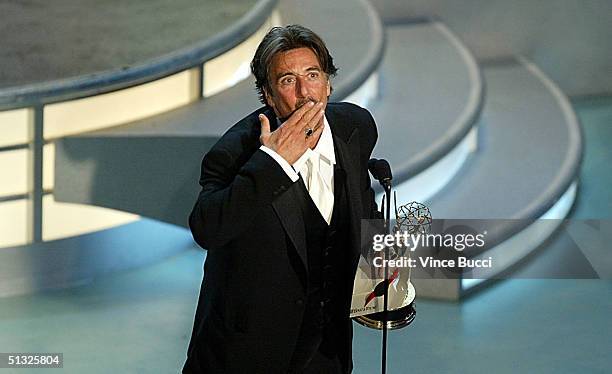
(346, 106)
(241, 136)
(355, 116)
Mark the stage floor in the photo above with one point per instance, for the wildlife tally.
(50, 40)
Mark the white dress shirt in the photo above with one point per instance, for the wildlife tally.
(316, 166)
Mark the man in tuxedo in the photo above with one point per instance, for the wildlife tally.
(283, 193)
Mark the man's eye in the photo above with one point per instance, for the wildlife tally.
(288, 80)
(314, 75)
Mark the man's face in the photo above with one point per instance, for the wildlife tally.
(296, 78)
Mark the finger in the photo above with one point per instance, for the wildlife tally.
(265, 129)
(316, 134)
(318, 126)
(299, 114)
(315, 120)
(311, 117)
(315, 124)
(265, 124)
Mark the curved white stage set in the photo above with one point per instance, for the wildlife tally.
(86, 158)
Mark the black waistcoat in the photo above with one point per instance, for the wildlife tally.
(328, 256)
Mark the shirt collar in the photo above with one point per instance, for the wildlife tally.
(325, 146)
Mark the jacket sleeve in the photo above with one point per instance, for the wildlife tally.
(233, 192)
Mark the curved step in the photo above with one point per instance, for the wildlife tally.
(524, 172)
(431, 97)
(529, 151)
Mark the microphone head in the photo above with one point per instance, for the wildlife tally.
(380, 169)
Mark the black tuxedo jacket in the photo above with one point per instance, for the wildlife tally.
(252, 297)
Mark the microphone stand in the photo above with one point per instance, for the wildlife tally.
(387, 221)
(381, 170)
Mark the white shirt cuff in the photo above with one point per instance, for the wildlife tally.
(282, 162)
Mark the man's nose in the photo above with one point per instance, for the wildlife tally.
(301, 87)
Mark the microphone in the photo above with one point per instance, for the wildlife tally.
(381, 171)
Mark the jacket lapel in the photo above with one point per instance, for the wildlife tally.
(346, 142)
(288, 210)
(348, 152)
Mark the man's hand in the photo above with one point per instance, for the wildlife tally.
(289, 140)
